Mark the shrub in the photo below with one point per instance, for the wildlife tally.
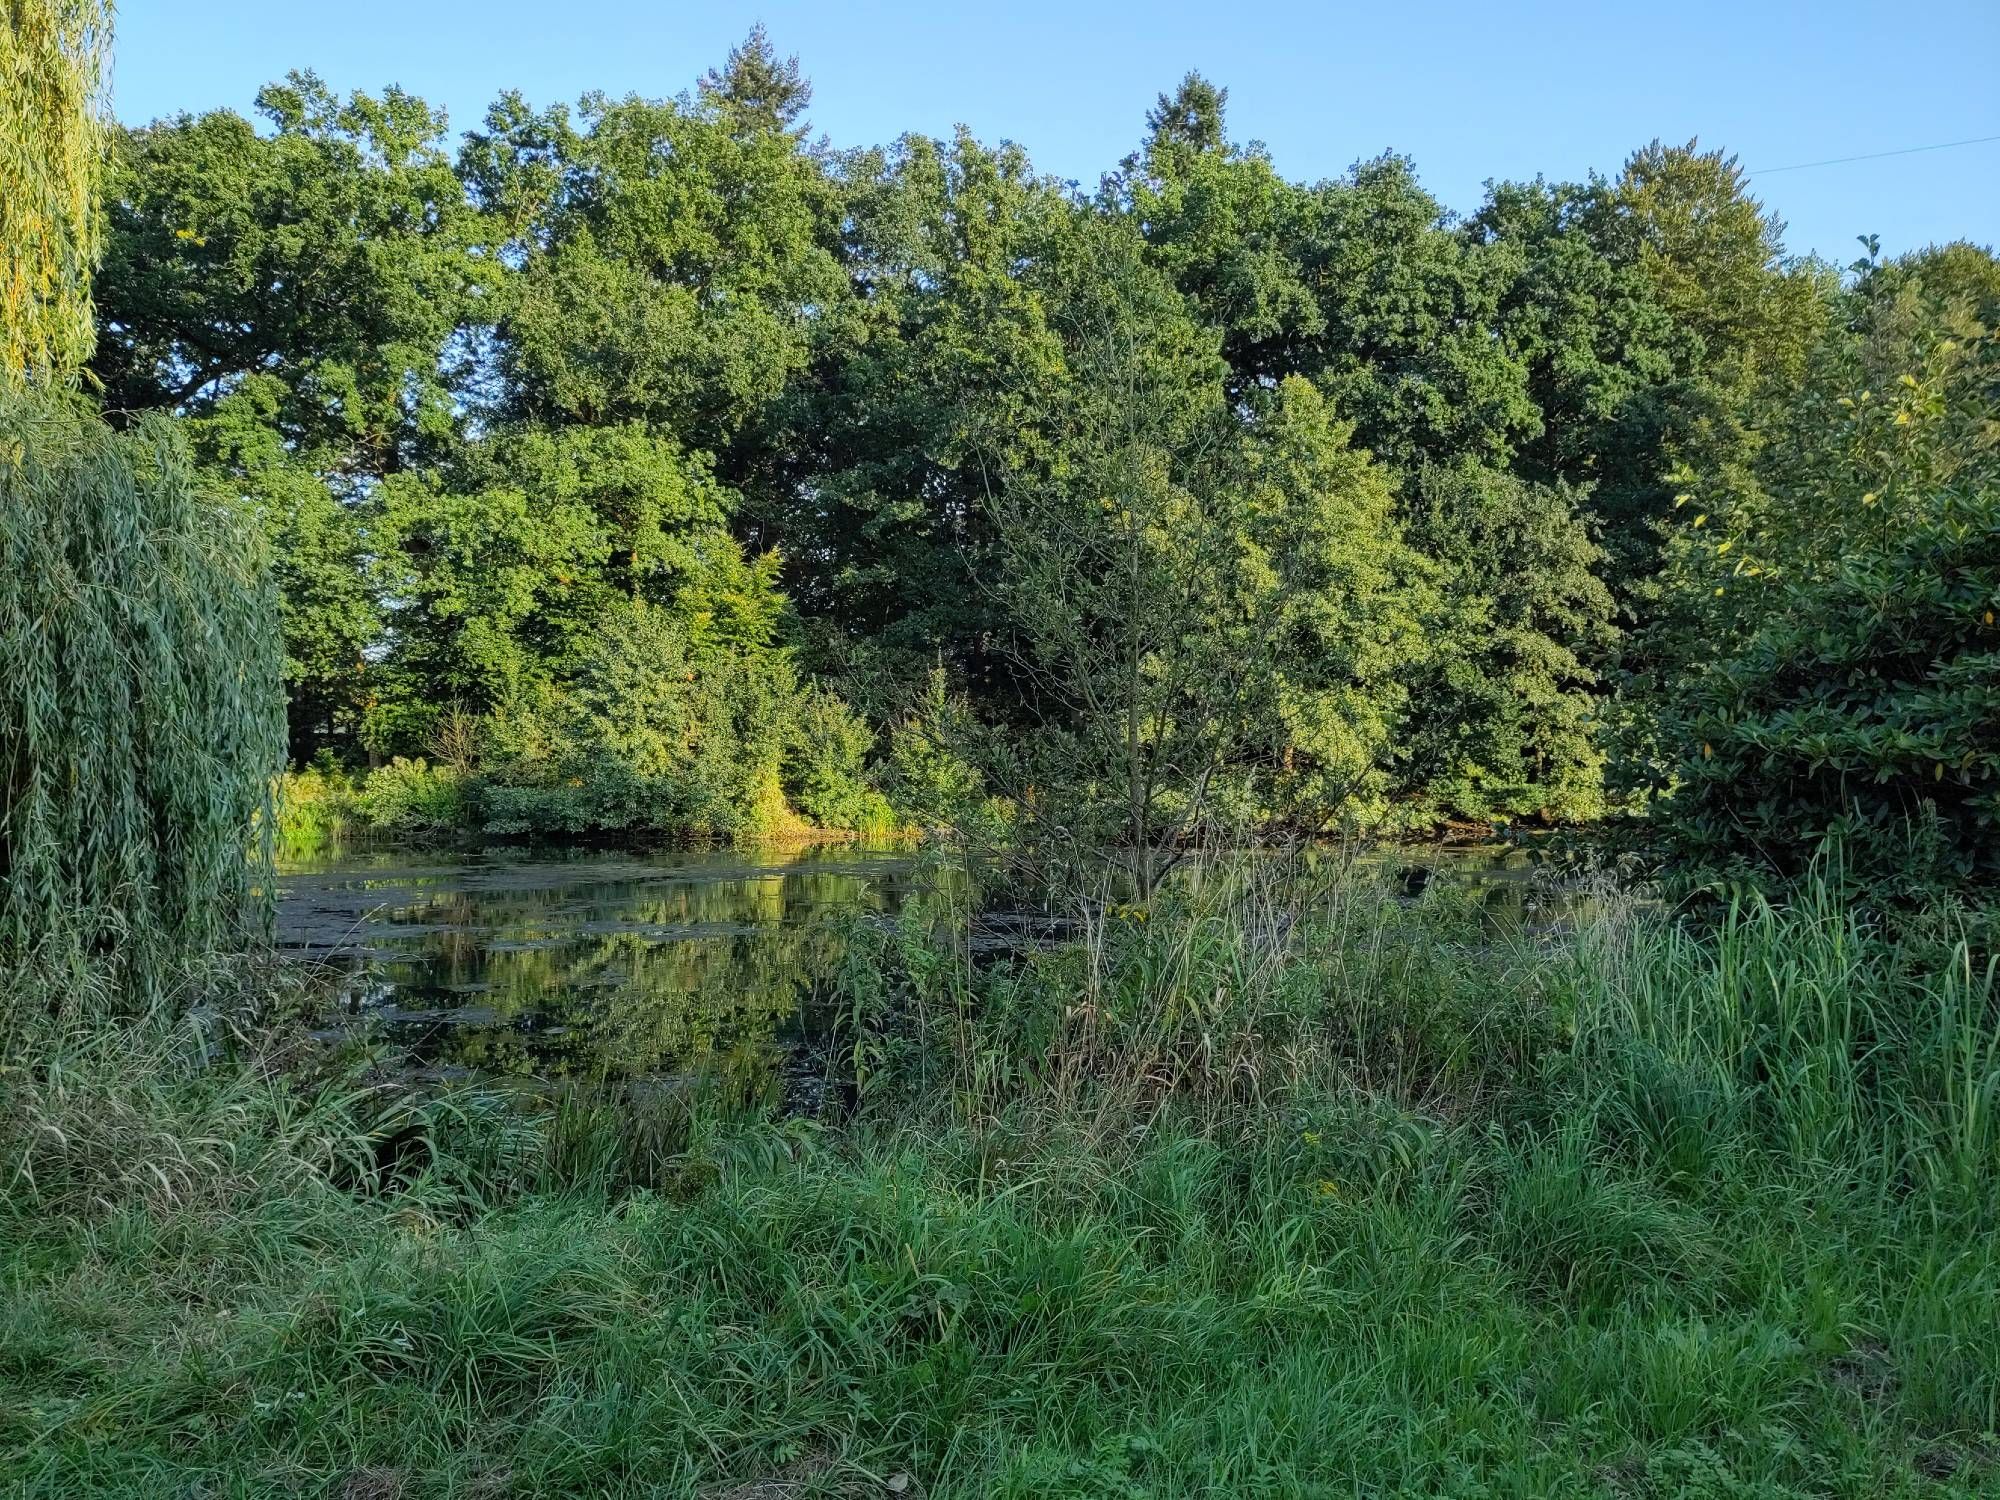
(1842, 674)
(826, 770)
(653, 734)
(316, 806)
(416, 797)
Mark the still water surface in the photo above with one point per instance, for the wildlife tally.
(586, 962)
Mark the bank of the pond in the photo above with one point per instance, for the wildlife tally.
(448, 805)
(1247, 1198)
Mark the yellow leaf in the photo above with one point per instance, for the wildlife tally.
(1940, 772)
(1989, 617)
(1724, 548)
(1869, 498)
(1902, 419)
(1702, 519)
(1707, 750)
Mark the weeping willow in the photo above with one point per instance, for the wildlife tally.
(52, 139)
(141, 712)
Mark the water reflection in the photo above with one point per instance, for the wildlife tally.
(589, 963)
(586, 964)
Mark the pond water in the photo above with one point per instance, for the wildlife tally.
(593, 963)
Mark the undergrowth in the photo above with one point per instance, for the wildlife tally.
(1274, 1188)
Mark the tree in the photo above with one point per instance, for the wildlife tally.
(1358, 284)
(501, 568)
(1211, 621)
(1600, 350)
(1218, 222)
(51, 142)
(938, 367)
(670, 257)
(304, 299)
(139, 706)
(335, 255)
(757, 88)
(140, 718)
(1716, 260)
(1505, 717)
(683, 717)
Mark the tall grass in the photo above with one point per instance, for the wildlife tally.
(1266, 1192)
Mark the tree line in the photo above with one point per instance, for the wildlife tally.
(658, 466)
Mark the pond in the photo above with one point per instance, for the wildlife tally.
(592, 963)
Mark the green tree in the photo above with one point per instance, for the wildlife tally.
(1685, 220)
(329, 612)
(52, 56)
(939, 368)
(1358, 284)
(1600, 349)
(669, 257)
(305, 298)
(139, 679)
(683, 717)
(334, 254)
(1219, 223)
(1212, 622)
(1505, 715)
(140, 718)
(501, 568)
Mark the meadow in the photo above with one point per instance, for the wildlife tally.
(1288, 1189)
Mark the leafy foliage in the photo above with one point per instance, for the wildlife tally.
(1504, 714)
(52, 56)
(1211, 620)
(1848, 714)
(140, 721)
(1399, 486)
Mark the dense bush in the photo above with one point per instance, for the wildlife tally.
(1839, 695)
(677, 719)
(316, 806)
(415, 797)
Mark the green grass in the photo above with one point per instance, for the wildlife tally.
(1273, 1193)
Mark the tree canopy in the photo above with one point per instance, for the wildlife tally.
(1305, 503)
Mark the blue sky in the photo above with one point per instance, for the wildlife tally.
(1471, 91)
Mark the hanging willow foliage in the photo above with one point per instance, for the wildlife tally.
(141, 712)
(52, 140)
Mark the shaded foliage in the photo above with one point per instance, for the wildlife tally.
(1836, 664)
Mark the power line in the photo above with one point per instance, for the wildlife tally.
(1835, 161)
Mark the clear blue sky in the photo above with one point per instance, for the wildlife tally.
(1470, 90)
